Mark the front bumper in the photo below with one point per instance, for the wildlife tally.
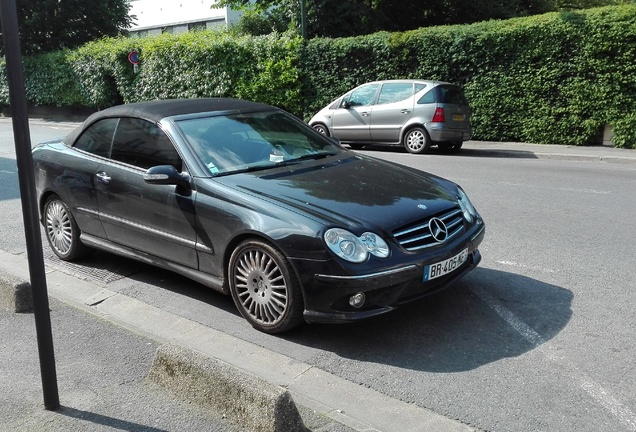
(327, 295)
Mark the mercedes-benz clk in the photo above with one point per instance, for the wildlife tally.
(247, 199)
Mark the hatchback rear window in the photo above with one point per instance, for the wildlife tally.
(444, 94)
(451, 95)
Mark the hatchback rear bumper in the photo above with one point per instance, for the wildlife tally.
(443, 135)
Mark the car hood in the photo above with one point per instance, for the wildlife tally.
(351, 190)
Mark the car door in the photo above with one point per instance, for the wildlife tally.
(393, 108)
(351, 119)
(154, 219)
(89, 151)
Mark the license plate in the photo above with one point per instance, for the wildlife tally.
(444, 267)
(458, 117)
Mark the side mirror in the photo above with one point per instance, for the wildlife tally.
(166, 175)
(346, 104)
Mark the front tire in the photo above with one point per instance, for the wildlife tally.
(62, 231)
(265, 288)
(322, 129)
(417, 141)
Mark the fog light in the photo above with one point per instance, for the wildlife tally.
(357, 300)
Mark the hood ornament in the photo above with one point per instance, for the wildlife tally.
(438, 228)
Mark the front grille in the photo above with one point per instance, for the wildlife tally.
(418, 236)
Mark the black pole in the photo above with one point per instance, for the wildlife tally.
(15, 76)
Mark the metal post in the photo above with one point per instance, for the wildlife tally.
(303, 19)
(19, 114)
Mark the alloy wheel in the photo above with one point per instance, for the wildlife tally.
(265, 288)
(59, 227)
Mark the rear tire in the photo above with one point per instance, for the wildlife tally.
(62, 231)
(265, 288)
(417, 141)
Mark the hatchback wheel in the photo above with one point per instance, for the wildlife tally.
(62, 231)
(265, 288)
(322, 129)
(417, 141)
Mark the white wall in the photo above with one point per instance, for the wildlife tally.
(156, 14)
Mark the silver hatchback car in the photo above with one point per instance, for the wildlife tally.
(412, 113)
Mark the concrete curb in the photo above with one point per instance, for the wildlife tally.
(586, 158)
(326, 402)
(16, 295)
(251, 402)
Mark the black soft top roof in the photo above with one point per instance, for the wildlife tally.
(154, 111)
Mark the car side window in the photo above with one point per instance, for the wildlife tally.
(428, 98)
(395, 92)
(97, 139)
(361, 96)
(143, 144)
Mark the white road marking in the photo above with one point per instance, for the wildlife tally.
(592, 388)
(516, 264)
(562, 189)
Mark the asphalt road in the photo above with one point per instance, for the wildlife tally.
(540, 337)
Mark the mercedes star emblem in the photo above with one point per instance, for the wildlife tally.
(438, 229)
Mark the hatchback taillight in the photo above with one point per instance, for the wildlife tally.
(438, 117)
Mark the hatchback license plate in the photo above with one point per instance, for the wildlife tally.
(458, 117)
(444, 267)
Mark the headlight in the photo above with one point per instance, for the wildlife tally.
(467, 207)
(355, 249)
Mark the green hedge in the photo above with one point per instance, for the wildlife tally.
(196, 64)
(553, 78)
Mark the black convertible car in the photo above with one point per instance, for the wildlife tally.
(247, 199)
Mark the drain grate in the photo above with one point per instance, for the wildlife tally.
(99, 267)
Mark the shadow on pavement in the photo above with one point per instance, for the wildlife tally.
(452, 331)
(377, 150)
(99, 419)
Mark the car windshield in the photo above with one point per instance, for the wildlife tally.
(252, 141)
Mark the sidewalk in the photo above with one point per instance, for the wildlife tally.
(549, 151)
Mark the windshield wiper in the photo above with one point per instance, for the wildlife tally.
(277, 164)
(246, 170)
(314, 156)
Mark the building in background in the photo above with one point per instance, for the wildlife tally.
(177, 16)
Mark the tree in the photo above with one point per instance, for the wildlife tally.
(50, 25)
(586, 4)
(337, 18)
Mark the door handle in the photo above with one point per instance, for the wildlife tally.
(364, 114)
(404, 111)
(102, 177)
